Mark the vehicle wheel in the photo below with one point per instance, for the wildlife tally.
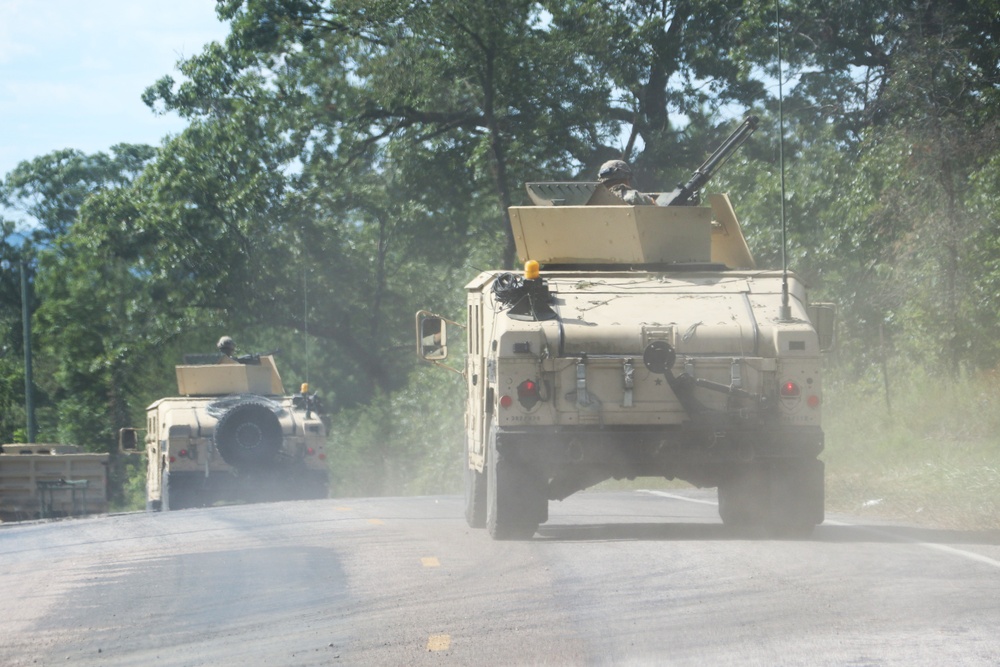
(784, 496)
(516, 502)
(797, 496)
(248, 436)
(475, 495)
(743, 496)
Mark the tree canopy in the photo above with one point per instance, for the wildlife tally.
(349, 162)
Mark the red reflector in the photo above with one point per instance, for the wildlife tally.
(322, 457)
(172, 459)
(506, 401)
(813, 401)
(183, 452)
(789, 389)
(310, 451)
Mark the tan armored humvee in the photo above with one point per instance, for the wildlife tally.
(641, 341)
(232, 434)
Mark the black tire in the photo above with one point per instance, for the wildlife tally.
(797, 497)
(784, 496)
(475, 495)
(248, 436)
(744, 496)
(516, 502)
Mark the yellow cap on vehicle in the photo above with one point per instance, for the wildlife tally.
(530, 270)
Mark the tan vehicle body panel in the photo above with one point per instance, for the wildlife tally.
(710, 316)
(560, 394)
(230, 377)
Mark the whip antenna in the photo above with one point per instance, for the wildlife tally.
(305, 316)
(786, 310)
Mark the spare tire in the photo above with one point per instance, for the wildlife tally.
(248, 435)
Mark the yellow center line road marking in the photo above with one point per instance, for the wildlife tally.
(376, 522)
(341, 509)
(438, 642)
(430, 561)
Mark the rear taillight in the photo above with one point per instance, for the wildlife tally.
(790, 390)
(791, 394)
(527, 394)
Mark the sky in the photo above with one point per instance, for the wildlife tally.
(72, 72)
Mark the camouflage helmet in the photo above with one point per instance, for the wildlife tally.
(614, 170)
(226, 346)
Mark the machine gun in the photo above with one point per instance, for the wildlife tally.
(684, 195)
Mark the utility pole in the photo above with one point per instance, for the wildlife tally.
(29, 397)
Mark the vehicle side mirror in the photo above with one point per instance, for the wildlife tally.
(128, 440)
(433, 343)
(824, 319)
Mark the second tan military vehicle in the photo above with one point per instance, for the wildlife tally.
(232, 434)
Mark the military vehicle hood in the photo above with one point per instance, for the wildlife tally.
(700, 314)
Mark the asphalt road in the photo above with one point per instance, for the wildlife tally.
(613, 579)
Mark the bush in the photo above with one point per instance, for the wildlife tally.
(406, 443)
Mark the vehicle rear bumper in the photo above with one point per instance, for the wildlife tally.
(700, 456)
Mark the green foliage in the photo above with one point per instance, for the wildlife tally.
(133, 496)
(348, 163)
(51, 188)
(47, 192)
(406, 443)
(926, 451)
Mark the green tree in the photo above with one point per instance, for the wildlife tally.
(932, 128)
(50, 189)
(482, 81)
(46, 193)
(890, 119)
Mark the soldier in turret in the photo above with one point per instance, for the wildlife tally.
(226, 346)
(616, 176)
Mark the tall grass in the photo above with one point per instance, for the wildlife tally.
(928, 451)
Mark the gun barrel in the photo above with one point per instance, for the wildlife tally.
(704, 173)
(729, 146)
